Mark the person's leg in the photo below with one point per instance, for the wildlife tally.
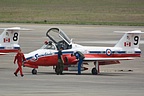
(20, 68)
(17, 70)
(61, 68)
(79, 66)
(58, 68)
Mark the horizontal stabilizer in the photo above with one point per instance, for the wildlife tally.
(136, 31)
(15, 29)
(3, 53)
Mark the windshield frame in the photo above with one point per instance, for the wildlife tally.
(60, 33)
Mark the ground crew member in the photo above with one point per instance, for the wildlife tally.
(19, 58)
(80, 58)
(59, 67)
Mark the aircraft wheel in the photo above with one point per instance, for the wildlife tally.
(34, 71)
(94, 71)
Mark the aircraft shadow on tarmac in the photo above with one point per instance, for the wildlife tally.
(89, 74)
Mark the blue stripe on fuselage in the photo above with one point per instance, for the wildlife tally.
(98, 52)
(2, 47)
(66, 52)
(138, 52)
(114, 52)
(10, 48)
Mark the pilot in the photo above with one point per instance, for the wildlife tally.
(50, 42)
(59, 67)
(80, 58)
(47, 45)
(20, 58)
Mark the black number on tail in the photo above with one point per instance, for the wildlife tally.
(15, 37)
(136, 39)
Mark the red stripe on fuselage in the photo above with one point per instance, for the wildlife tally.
(8, 50)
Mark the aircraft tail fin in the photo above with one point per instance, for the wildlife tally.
(130, 39)
(9, 38)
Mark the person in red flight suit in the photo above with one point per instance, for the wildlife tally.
(20, 58)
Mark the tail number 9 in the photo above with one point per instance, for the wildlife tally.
(15, 37)
(136, 40)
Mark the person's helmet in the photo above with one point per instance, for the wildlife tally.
(46, 42)
(50, 42)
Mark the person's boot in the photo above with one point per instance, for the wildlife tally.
(15, 74)
(22, 75)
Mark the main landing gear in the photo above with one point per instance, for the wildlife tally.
(34, 71)
(95, 70)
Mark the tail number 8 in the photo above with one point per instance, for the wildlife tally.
(15, 37)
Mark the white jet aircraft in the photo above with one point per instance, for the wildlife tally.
(125, 49)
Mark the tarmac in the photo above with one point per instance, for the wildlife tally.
(125, 79)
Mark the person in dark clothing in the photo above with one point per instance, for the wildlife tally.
(59, 67)
(80, 58)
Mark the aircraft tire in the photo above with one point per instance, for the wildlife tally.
(94, 71)
(34, 71)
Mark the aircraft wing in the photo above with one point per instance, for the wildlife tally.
(107, 59)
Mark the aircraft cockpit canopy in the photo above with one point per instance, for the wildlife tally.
(59, 38)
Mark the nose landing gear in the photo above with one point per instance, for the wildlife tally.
(34, 71)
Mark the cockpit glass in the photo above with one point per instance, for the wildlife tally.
(59, 38)
(55, 35)
(58, 35)
(48, 47)
(65, 37)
